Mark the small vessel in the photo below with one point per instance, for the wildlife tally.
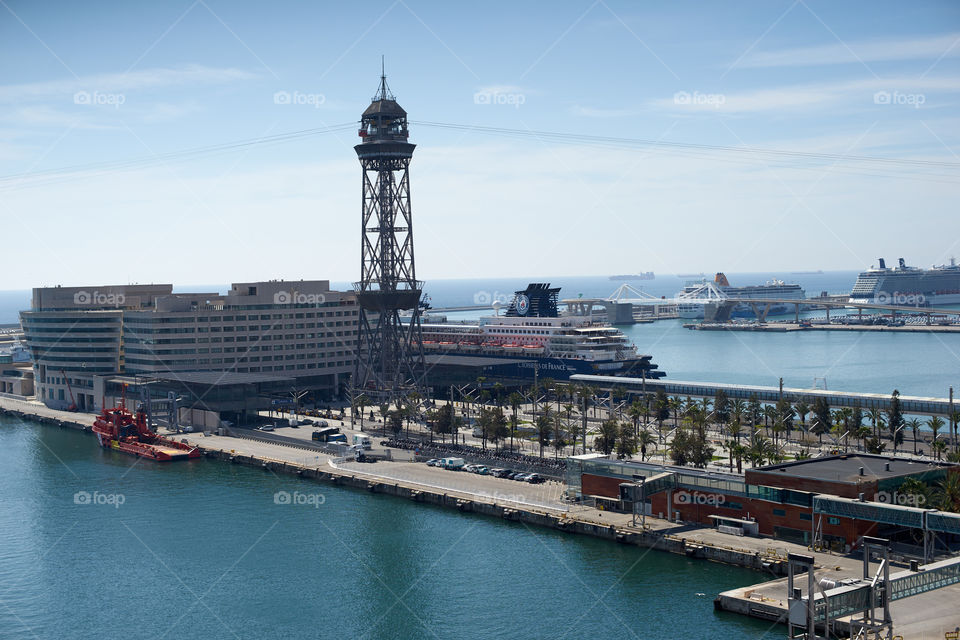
(646, 275)
(122, 430)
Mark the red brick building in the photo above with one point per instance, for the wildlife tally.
(779, 498)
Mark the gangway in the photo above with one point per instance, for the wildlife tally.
(861, 597)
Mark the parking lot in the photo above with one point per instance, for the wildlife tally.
(546, 495)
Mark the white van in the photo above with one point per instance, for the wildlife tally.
(452, 463)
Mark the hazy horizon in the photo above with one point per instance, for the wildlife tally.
(668, 115)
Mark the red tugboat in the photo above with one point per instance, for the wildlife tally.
(122, 430)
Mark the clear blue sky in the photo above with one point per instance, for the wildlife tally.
(96, 82)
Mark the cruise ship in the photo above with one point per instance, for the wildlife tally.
(772, 290)
(532, 334)
(908, 286)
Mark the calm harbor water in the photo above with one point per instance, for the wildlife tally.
(202, 550)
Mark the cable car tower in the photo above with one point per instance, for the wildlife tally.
(389, 351)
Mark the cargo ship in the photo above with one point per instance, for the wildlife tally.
(121, 430)
(908, 286)
(533, 335)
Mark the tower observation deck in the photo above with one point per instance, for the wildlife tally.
(389, 353)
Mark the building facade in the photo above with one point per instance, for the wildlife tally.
(78, 336)
(780, 500)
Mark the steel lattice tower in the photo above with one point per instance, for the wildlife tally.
(390, 354)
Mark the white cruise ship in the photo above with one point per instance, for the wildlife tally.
(908, 286)
(532, 333)
(772, 290)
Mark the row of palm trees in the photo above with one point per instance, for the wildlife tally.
(561, 413)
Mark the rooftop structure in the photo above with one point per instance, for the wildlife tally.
(80, 335)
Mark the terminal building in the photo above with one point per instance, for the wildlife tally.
(300, 335)
(833, 500)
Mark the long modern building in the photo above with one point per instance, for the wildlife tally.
(835, 499)
(81, 336)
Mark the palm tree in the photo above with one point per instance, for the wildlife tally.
(515, 399)
(635, 411)
(607, 439)
(645, 439)
(802, 409)
(877, 420)
(948, 493)
(362, 402)
(914, 424)
(862, 434)
(676, 405)
(936, 423)
(938, 447)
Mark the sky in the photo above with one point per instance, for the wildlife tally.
(669, 112)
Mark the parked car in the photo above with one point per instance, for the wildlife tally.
(469, 467)
(499, 473)
(482, 470)
(535, 479)
(433, 462)
(522, 477)
(266, 427)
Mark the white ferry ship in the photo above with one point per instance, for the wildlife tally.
(532, 333)
(908, 286)
(772, 290)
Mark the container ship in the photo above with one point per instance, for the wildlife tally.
(909, 286)
(772, 290)
(532, 334)
(119, 429)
